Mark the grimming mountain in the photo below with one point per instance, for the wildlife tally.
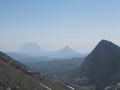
(16, 76)
(102, 65)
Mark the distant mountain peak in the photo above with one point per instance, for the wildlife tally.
(30, 47)
(66, 52)
(67, 49)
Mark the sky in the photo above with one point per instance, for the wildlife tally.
(54, 24)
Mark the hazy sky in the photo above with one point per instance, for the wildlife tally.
(53, 24)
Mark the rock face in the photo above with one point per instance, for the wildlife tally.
(102, 65)
(16, 76)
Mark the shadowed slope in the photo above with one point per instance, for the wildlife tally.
(102, 66)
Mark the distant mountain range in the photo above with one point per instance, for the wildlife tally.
(102, 65)
(32, 49)
(32, 52)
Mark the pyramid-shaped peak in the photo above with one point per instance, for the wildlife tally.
(104, 40)
(105, 43)
(67, 49)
